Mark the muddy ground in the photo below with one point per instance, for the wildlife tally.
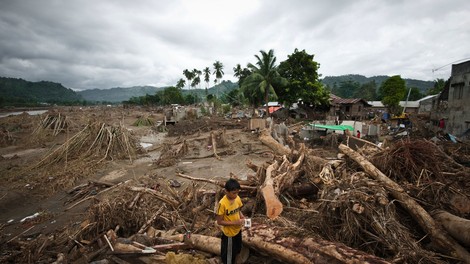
(24, 193)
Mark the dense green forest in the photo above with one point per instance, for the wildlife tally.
(330, 81)
(359, 86)
(18, 92)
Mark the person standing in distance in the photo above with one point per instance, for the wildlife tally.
(231, 219)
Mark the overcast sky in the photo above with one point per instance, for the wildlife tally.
(116, 43)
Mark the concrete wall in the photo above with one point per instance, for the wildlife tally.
(458, 121)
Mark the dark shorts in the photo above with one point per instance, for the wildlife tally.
(230, 248)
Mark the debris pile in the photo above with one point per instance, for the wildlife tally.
(337, 203)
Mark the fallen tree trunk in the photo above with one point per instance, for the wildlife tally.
(268, 240)
(266, 138)
(457, 227)
(445, 242)
(363, 141)
(273, 205)
(207, 244)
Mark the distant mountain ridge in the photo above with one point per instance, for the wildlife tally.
(330, 81)
(18, 90)
(118, 94)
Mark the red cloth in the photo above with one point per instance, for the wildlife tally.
(442, 123)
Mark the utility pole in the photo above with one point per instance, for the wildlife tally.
(406, 102)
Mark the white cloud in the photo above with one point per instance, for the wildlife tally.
(103, 44)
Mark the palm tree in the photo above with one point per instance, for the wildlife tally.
(263, 78)
(218, 71)
(207, 76)
(196, 79)
(180, 84)
(238, 72)
(241, 74)
(189, 75)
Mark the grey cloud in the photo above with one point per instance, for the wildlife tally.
(102, 44)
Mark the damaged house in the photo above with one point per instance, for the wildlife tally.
(348, 108)
(452, 103)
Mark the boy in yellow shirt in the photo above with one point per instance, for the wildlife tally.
(230, 217)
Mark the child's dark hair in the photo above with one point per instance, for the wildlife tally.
(232, 185)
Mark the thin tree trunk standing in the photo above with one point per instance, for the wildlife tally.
(439, 236)
(214, 145)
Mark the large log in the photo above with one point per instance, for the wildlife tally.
(266, 138)
(273, 205)
(445, 242)
(207, 244)
(457, 227)
(269, 240)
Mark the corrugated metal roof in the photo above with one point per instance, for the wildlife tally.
(338, 100)
(402, 104)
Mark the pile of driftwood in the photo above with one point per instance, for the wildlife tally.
(205, 147)
(52, 124)
(79, 155)
(97, 141)
(403, 204)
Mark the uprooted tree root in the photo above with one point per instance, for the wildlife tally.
(355, 210)
(426, 171)
(408, 160)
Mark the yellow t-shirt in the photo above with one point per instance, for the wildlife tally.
(230, 209)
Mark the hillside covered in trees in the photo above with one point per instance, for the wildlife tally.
(18, 92)
(330, 81)
(359, 86)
